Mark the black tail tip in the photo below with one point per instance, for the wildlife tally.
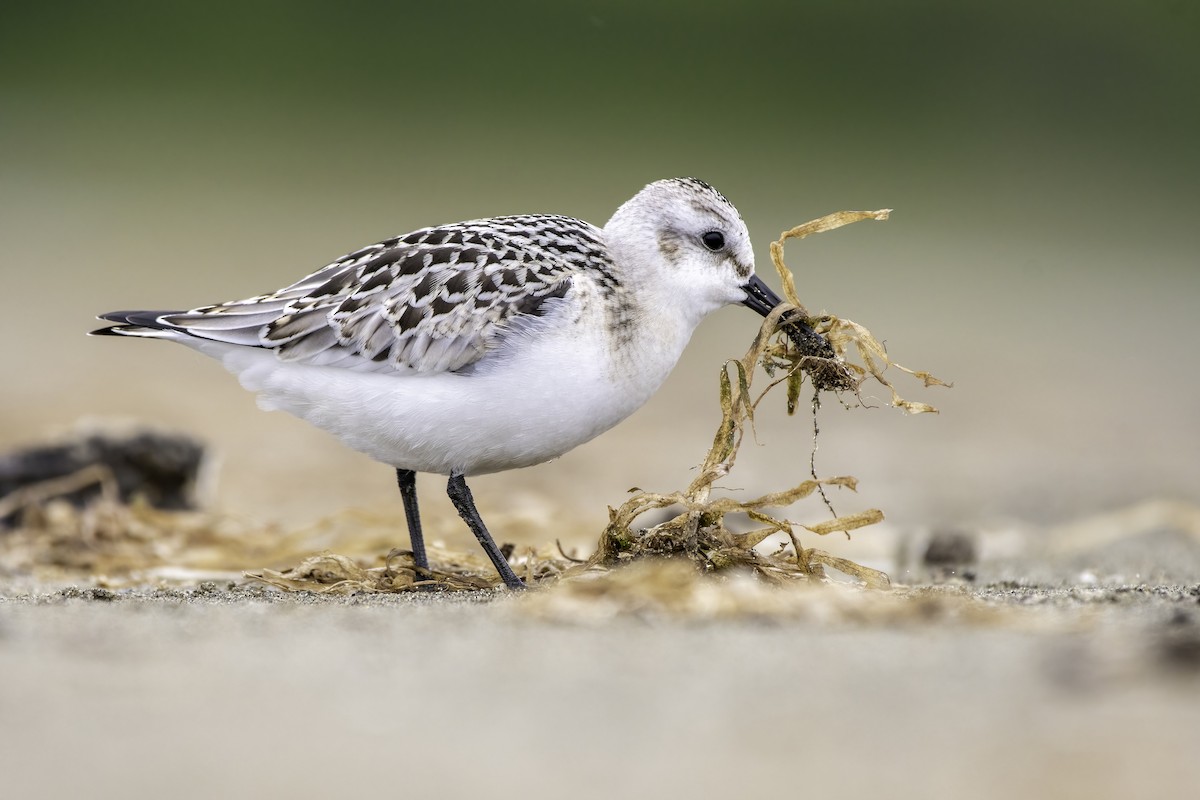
(127, 320)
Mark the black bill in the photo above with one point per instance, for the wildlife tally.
(759, 296)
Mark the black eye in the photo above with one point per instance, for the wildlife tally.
(713, 240)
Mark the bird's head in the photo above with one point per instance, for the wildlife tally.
(686, 239)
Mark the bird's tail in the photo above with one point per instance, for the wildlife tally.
(147, 324)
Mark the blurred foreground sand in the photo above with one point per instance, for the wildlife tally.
(215, 693)
(1067, 666)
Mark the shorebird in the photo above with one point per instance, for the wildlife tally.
(486, 345)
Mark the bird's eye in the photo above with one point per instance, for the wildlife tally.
(713, 240)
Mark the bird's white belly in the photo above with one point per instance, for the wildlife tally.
(547, 396)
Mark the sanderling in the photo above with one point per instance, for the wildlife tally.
(486, 345)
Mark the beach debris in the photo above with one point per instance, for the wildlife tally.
(160, 467)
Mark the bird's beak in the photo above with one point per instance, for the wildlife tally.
(759, 296)
(810, 345)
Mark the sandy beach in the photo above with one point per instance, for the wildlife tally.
(1083, 683)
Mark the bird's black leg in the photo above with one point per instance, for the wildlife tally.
(407, 479)
(460, 495)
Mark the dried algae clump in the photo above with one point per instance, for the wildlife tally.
(827, 366)
(115, 544)
(455, 571)
(788, 353)
(657, 589)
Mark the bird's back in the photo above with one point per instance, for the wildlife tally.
(435, 300)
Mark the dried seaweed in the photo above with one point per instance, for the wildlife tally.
(673, 589)
(789, 353)
(798, 354)
(118, 544)
(455, 572)
(110, 540)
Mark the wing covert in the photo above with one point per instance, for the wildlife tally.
(434, 300)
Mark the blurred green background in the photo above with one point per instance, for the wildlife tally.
(1041, 158)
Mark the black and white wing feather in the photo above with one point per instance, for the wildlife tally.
(435, 300)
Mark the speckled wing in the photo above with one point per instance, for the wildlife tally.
(434, 300)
